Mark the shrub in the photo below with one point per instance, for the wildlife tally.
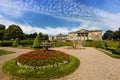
(118, 47)
(37, 41)
(99, 45)
(26, 42)
(106, 45)
(116, 52)
(6, 43)
(16, 42)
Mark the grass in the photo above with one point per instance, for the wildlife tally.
(61, 43)
(11, 68)
(109, 53)
(4, 52)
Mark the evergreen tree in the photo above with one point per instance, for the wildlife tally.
(37, 41)
(16, 42)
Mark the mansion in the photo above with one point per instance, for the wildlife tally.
(81, 34)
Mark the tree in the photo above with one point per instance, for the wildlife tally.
(117, 35)
(14, 31)
(109, 34)
(2, 29)
(37, 41)
(45, 37)
(33, 35)
(16, 42)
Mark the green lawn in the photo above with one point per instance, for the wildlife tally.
(4, 52)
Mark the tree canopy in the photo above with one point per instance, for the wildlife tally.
(2, 29)
(112, 35)
(14, 31)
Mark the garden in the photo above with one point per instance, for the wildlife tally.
(41, 64)
(111, 48)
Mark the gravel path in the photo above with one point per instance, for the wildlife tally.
(5, 58)
(94, 65)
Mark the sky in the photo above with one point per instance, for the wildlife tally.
(60, 16)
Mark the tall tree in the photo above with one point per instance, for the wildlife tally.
(117, 35)
(14, 31)
(109, 34)
(33, 35)
(2, 29)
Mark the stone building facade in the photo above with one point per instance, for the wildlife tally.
(81, 34)
(84, 34)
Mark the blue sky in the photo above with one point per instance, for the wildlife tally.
(60, 16)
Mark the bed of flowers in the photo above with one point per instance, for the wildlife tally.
(40, 65)
(42, 59)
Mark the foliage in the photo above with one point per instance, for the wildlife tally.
(110, 53)
(106, 45)
(13, 31)
(110, 35)
(118, 47)
(93, 43)
(6, 43)
(43, 37)
(4, 52)
(117, 50)
(43, 58)
(16, 42)
(2, 29)
(61, 43)
(99, 45)
(40, 74)
(26, 42)
(37, 42)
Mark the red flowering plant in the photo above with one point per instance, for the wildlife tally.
(43, 58)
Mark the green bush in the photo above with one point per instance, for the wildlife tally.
(61, 43)
(26, 42)
(118, 47)
(116, 52)
(16, 42)
(106, 45)
(93, 43)
(99, 45)
(37, 41)
(6, 44)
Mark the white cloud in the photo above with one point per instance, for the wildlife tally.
(111, 20)
(29, 29)
(90, 18)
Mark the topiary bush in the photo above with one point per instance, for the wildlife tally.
(37, 41)
(16, 42)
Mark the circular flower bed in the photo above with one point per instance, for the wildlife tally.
(40, 58)
(34, 65)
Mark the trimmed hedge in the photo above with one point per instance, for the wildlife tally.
(6, 44)
(26, 42)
